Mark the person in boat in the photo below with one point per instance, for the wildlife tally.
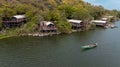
(95, 44)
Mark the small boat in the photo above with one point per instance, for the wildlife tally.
(90, 46)
(110, 26)
(113, 26)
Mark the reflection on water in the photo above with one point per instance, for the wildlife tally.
(88, 49)
(63, 50)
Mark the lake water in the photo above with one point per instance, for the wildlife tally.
(63, 50)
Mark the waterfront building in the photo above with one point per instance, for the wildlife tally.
(14, 21)
(76, 24)
(47, 26)
(100, 22)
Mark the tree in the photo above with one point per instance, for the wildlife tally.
(53, 15)
(68, 10)
(97, 12)
(82, 14)
(63, 26)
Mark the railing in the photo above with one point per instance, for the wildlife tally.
(12, 21)
(48, 28)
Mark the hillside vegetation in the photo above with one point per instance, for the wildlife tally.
(57, 11)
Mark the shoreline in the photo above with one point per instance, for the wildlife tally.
(5, 36)
(39, 34)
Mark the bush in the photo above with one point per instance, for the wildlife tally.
(63, 26)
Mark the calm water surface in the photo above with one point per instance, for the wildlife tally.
(63, 50)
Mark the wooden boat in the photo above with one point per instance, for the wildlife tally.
(113, 26)
(110, 26)
(90, 46)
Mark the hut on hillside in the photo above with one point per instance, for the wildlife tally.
(104, 19)
(100, 23)
(76, 24)
(109, 18)
(47, 26)
(112, 18)
(14, 21)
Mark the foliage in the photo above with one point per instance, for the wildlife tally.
(53, 15)
(63, 26)
(57, 11)
(67, 10)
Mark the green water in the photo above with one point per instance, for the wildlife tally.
(63, 50)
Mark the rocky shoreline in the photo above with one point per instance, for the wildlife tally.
(41, 34)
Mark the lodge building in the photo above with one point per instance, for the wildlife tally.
(47, 26)
(100, 23)
(76, 24)
(14, 21)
